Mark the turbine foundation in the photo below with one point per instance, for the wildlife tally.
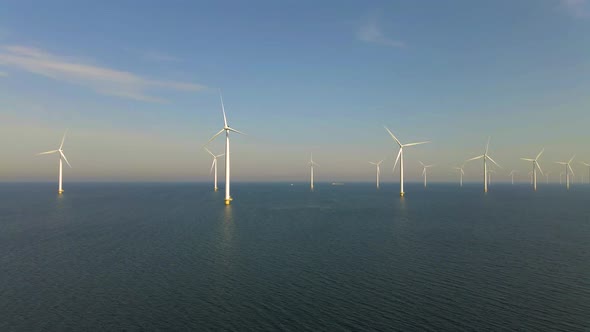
(401, 194)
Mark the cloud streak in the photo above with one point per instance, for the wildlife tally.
(101, 79)
(577, 8)
(370, 32)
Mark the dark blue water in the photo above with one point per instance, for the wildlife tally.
(172, 256)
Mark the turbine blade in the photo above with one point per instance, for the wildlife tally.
(393, 136)
(397, 159)
(561, 162)
(462, 172)
(212, 138)
(490, 158)
(475, 158)
(236, 131)
(488, 145)
(222, 109)
(571, 170)
(539, 166)
(47, 152)
(372, 163)
(571, 159)
(212, 164)
(66, 159)
(528, 159)
(418, 143)
(63, 139)
(220, 155)
(540, 153)
(421, 163)
(211, 153)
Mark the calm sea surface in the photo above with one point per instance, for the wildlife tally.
(173, 257)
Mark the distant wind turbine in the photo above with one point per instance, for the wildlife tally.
(490, 176)
(461, 173)
(311, 165)
(400, 157)
(512, 175)
(378, 164)
(535, 166)
(485, 158)
(214, 167)
(547, 176)
(227, 129)
(530, 174)
(560, 176)
(62, 156)
(424, 167)
(587, 165)
(568, 169)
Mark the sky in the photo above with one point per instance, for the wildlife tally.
(136, 84)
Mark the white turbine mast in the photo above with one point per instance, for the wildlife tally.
(485, 158)
(62, 157)
(400, 158)
(568, 169)
(378, 165)
(536, 165)
(226, 128)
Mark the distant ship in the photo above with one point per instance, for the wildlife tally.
(337, 183)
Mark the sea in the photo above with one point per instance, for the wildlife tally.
(172, 256)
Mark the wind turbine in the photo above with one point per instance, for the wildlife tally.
(490, 176)
(567, 167)
(485, 158)
(547, 176)
(512, 175)
(311, 165)
(378, 164)
(400, 157)
(535, 166)
(560, 176)
(227, 129)
(587, 165)
(62, 157)
(424, 171)
(530, 174)
(461, 173)
(214, 166)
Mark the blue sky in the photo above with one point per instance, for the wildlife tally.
(135, 82)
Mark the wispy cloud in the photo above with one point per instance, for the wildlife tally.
(160, 57)
(101, 79)
(577, 8)
(370, 32)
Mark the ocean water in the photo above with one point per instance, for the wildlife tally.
(173, 257)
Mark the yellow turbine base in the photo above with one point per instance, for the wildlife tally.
(215, 189)
(60, 191)
(228, 201)
(401, 194)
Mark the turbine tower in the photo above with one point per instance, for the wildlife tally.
(547, 176)
(214, 167)
(512, 175)
(567, 167)
(461, 173)
(227, 129)
(424, 167)
(485, 158)
(378, 164)
(62, 157)
(535, 166)
(311, 165)
(400, 157)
